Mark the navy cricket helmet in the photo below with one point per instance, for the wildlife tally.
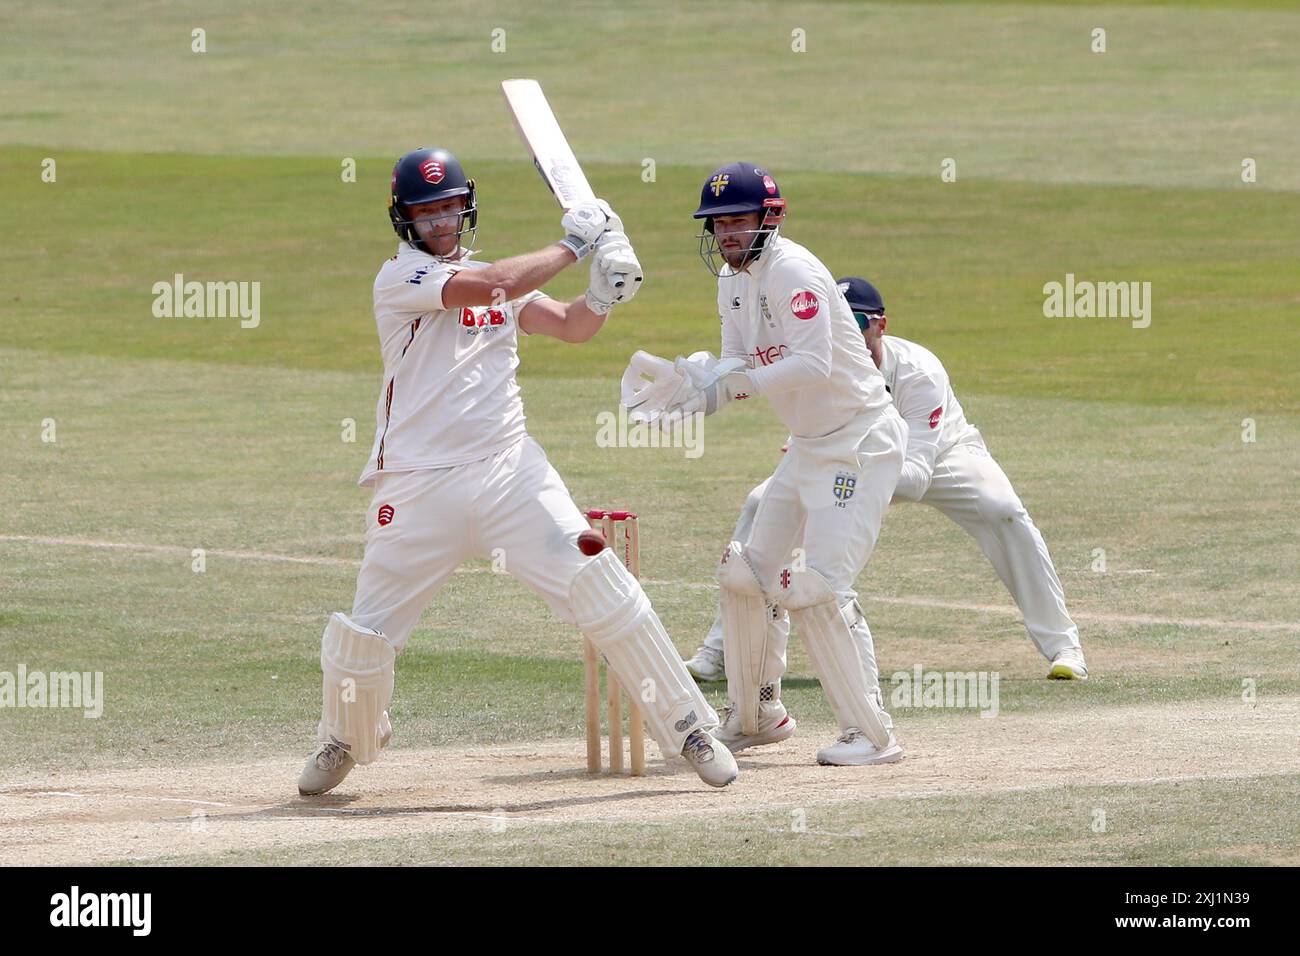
(734, 190)
(864, 299)
(427, 175)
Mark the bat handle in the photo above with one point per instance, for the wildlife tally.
(620, 279)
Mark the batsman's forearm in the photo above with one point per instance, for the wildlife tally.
(582, 322)
(520, 275)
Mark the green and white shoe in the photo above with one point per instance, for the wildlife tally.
(1068, 665)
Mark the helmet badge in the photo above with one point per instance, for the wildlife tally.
(718, 183)
(433, 171)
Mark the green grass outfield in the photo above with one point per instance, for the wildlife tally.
(175, 434)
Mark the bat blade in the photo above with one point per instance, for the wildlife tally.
(541, 133)
(552, 155)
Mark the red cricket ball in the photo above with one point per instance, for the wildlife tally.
(591, 542)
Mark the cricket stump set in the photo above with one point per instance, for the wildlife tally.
(622, 534)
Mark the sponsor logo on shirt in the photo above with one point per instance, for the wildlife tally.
(484, 319)
(735, 302)
(935, 416)
(773, 353)
(804, 304)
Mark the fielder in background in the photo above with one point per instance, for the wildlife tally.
(456, 475)
(788, 334)
(948, 466)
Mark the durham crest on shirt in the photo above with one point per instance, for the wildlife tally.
(845, 484)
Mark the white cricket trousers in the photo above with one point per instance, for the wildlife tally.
(973, 490)
(512, 508)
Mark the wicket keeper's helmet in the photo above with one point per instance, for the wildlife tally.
(426, 175)
(864, 299)
(734, 190)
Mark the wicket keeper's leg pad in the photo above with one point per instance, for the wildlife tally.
(753, 640)
(357, 664)
(842, 654)
(613, 611)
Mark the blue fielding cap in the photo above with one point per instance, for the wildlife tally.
(864, 298)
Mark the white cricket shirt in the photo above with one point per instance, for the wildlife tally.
(922, 393)
(788, 319)
(449, 394)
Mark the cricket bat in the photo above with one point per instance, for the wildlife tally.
(551, 152)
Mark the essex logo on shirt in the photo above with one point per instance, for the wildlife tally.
(385, 514)
(845, 484)
(474, 321)
(804, 304)
(935, 416)
(432, 171)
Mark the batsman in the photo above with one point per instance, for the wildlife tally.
(455, 474)
(788, 334)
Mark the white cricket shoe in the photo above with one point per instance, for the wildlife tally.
(774, 725)
(707, 665)
(1069, 665)
(711, 760)
(853, 749)
(327, 767)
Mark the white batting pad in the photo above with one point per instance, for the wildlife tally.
(753, 645)
(357, 663)
(846, 670)
(612, 610)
